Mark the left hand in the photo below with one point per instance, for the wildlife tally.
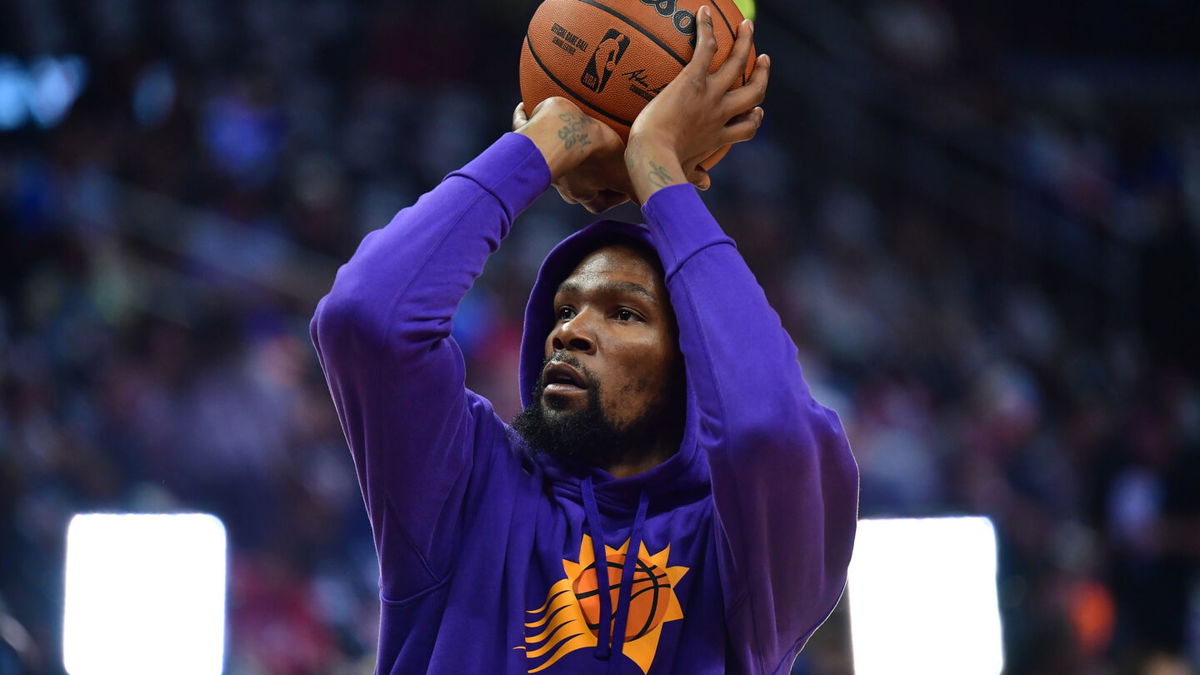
(600, 181)
(697, 113)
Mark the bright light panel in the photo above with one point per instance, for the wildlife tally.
(922, 596)
(145, 595)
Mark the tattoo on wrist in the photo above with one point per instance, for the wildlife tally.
(659, 176)
(572, 133)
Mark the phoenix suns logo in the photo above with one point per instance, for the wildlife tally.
(569, 620)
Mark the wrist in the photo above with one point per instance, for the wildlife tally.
(642, 145)
(562, 138)
(652, 165)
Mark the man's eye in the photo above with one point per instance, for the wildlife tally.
(565, 313)
(626, 315)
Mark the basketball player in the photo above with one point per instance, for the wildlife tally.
(668, 440)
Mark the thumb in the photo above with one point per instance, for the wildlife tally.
(700, 178)
(519, 117)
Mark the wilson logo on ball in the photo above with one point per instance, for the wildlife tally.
(685, 21)
(606, 57)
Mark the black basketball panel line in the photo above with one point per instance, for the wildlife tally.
(564, 87)
(643, 31)
(732, 36)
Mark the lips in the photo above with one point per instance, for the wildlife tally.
(562, 378)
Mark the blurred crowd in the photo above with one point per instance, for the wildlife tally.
(981, 225)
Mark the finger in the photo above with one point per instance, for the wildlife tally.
(743, 127)
(566, 196)
(700, 178)
(595, 205)
(755, 91)
(761, 73)
(625, 184)
(519, 118)
(605, 200)
(731, 71)
(706, 44)
(537, 108)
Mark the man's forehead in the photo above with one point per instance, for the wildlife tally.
(615, 267)
(577, 285)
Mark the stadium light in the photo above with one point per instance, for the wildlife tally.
(145, 594)
(42, 91)
(746, 7)
(922, 596)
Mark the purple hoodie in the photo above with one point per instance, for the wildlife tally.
(488, 551)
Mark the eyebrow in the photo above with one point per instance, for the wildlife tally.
(609, 287)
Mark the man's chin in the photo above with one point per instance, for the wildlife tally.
(565, 429)
(559, 404)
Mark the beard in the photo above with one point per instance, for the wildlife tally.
(588, 437)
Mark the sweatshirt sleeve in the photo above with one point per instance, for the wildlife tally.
(397, 378)
(785, 484)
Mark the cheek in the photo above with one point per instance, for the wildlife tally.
(639, 385)
(638, 381)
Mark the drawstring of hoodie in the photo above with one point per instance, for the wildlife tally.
(612, 641)
(627, 572)
(591, 515)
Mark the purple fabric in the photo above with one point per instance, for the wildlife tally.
(751, 522)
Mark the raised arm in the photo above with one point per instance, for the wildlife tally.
(785, 485)
(784, 482)
(397, 377)
(383, 336)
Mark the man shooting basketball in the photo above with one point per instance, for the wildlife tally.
(668, 439)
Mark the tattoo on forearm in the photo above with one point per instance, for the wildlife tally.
(573, 133)
(659, 176)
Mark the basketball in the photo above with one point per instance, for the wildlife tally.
(647, 596)
(611, 57)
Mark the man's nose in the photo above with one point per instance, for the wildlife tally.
(574, 335)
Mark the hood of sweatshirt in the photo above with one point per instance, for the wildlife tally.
(680, 479)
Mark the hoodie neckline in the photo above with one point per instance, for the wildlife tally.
(677, 480)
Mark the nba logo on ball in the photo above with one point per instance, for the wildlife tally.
(606, 57)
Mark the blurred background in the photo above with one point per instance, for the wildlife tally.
(980, 221)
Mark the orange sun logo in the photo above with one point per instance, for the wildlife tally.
(570, 618)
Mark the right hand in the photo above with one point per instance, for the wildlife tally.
(698, 112)
(586, 157)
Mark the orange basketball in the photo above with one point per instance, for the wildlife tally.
(611, 57)
(649, 596)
